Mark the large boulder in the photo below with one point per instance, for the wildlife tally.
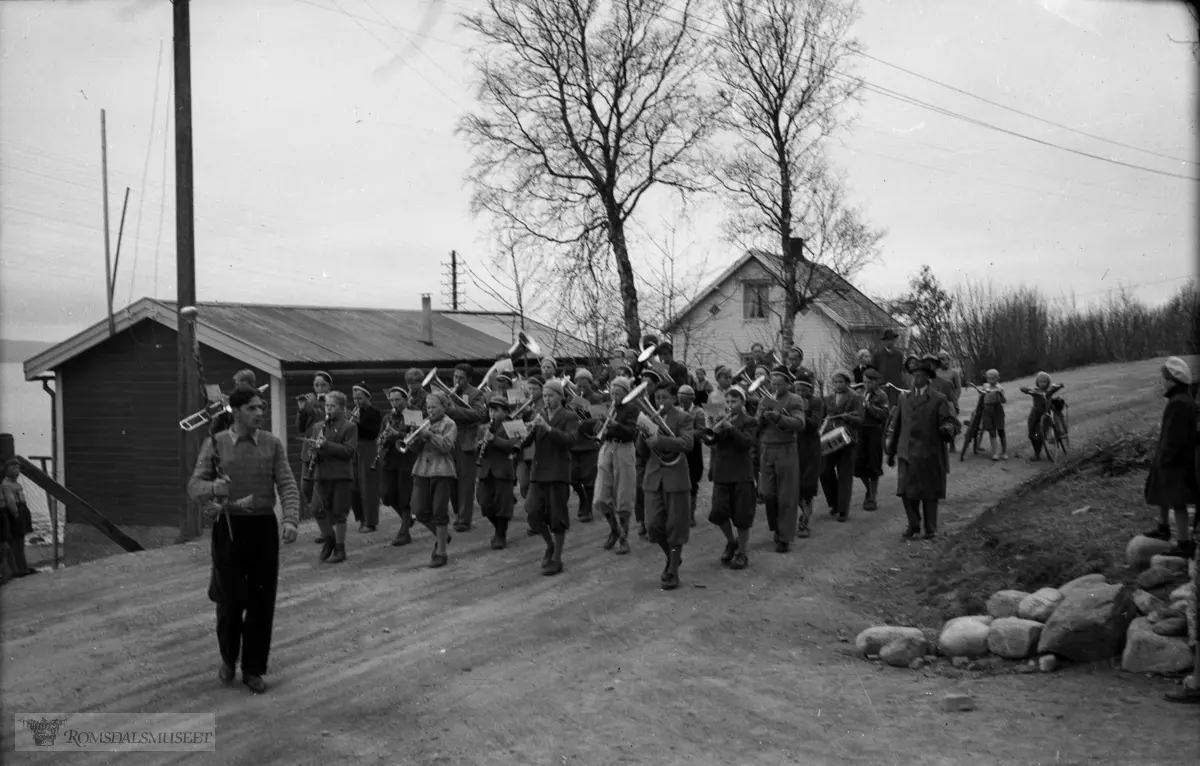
(1156, 577)
(1176, 564)
(1170, 623)
(1183, 593)
(964, 637)
(873, 639)
(1148, 652)
(1089, 624)
(1039, 605)
(1014, 638)
(1085, 582)
(1146, 602)
(1004, 603)
(900, 652)
(1141, 549)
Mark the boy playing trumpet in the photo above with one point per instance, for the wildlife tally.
(667, 488)
(732, 440)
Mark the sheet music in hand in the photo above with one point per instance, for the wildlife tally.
(516, 430)
(412, 418)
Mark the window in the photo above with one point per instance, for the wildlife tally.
(755, 299)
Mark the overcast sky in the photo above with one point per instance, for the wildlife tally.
(328, 173)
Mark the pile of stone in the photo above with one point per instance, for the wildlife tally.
(1152, 626)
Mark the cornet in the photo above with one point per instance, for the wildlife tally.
(206, 415)
(405, 444)
(759, 384)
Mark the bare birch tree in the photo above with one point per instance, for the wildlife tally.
(583, 107)
(783, 65)
(515, 275)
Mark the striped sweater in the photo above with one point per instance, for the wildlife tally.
(255, 465)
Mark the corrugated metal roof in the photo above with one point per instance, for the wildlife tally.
(304, 334)
(506, 325)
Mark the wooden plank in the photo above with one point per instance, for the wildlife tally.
(78, 504)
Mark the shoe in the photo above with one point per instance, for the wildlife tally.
(499, 543)
(402, 538)
(910, 533)
(327, 551)
(460, 527)
(641, 530)
(1184, 696)
(319, 539)
(552, 568)
(781, 547)
(740, 561)
(930, 535)
(547, 558)
(437, 560)
(870, 505)
(226, 674)
(622, 546)
(255, 682)
(585, 518)
(339, 555)
(613, 537)
(365, 530)
(1184, 550)
(730, 551)
(670, 581)
(803, 533)
(362, 528)
(842, 516)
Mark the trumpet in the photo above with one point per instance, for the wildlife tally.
(405, 444)
(206, 415)
(757, 385)
(434, 382)
(666, 458)
(710, 432)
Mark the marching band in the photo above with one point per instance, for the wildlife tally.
(626, 439)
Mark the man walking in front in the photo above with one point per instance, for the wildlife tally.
(238, 474)
(923, 424)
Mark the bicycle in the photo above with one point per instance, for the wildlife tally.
(973, 437)
(1052, 427)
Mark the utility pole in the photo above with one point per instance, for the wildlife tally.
(453, 282)
(187, 370)
(108, 265)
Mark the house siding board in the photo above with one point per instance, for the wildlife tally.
(120, 425)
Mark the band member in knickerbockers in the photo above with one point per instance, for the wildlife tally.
(616, 469)
(668, 487)
(780, 421)
(554, 432)
(366, 478)
(732, 440)
(843, 408)
(240, 471)
(434, 478)
(496, 472)
(921, 428)
(335, 446)
(808, 451)
(395, 467)
(695, 457)
(311, 413)
(868, 461)
(585, 453)
(467, 419)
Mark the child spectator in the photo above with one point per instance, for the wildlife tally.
(1042, 392)
(1172, 484)
(17, 521)
(992, 399)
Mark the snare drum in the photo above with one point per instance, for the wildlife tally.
(834, 440)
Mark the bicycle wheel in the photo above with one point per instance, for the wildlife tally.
(1064, 437)
(971, 437)
(1049, 437)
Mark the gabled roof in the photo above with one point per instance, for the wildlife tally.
(271, 337)
(842, 302)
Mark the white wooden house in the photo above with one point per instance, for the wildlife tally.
(744, 306)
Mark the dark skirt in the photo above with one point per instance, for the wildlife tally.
(992, 419)
(1171, 487)
(868, 463)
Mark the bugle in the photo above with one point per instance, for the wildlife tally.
(206, 415)
(666, 458)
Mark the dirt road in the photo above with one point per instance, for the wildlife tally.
(383, 660)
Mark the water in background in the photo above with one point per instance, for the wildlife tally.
(25, 413)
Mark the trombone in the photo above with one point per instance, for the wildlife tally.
(757, 385)
(214, 408)
(666, 458)
(432, 381)
(648, 353)
(612, 412)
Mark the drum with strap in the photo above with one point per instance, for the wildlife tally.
(834, 440)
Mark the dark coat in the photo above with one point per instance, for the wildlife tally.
(335, 458)
(552, 452)
(497, 459)
(673, 478)
(791, 418)
(923, 425)
(369, 422)
(1172, 482)
(851, 410)
(732, 455)
(468, 419)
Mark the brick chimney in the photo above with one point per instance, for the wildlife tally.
(796, 248)
(426, 319)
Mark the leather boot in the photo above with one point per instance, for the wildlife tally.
(674, 559)
(327, 548)
(930, 508)
(666, 549)
(614, 531)
(339, 554)
(623, 540)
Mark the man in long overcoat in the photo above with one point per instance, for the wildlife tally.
(923, 424)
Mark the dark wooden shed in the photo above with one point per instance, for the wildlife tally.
(116, 425)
